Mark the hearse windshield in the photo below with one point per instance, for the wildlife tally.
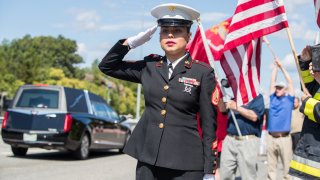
(38, 98)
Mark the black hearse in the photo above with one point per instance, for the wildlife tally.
(56, 117)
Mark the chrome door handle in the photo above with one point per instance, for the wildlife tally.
(51, 115)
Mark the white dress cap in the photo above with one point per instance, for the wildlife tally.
(175, 11)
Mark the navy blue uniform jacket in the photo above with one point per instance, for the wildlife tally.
(167, 134)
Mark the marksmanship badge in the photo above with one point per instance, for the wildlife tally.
(187, 88)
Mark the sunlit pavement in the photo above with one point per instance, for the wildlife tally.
(107, 165)
(52, 165)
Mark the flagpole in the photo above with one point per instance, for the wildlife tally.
(296, 61)
(269, 46)
(211, 62)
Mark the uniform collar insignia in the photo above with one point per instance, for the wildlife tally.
(159, 63)
(188, 61)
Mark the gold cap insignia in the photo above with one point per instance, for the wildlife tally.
(172, 8)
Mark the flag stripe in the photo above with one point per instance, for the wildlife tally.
(258, 17)
(317, 7)
(254, 67)
(250, 55)
(243, 13)
(253, 19)
(243, 2)
(258, 26)
(237, 57)
(243, 82)
(232, 75)
(258, 59)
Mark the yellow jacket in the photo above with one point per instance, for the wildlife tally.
(305, 163)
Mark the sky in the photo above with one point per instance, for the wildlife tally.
(97, 25)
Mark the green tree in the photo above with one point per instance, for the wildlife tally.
(122, 93)
(29, 58)
(53, 61)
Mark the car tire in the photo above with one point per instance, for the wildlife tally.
(83, 151)
(19, 151)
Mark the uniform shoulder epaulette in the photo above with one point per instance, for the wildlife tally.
(201, 63)
(155, 57)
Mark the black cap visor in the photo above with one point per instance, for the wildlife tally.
(174, 22)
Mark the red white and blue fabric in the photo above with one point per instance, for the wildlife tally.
(241, 64)
(242, 68)
(253, 19)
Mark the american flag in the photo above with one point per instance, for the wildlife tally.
(242, 68)
(317, 7)
(253, 19)
(241, 64)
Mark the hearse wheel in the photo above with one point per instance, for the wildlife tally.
(83, 151)
(19, 151)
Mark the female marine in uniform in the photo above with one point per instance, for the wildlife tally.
(166, 141)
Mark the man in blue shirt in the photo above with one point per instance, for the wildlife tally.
(241, 151)
(279, 121)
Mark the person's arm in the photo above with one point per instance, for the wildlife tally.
(208, 116)
(311, 108)
(273, 79)
(287, 77)
(222, 106)
(304, 63)
(247, 113)
(113, 65)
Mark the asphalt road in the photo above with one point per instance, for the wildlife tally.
(53, 165)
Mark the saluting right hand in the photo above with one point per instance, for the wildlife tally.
(141, 38)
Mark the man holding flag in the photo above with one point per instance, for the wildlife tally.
(248, 116)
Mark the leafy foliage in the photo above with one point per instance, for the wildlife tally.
(54, 61)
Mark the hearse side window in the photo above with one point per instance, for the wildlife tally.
(112, 113)
(38, 98)
(100, 110)
(76, 101)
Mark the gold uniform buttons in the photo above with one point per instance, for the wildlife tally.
(161, 125)
(166, 87)
(163, 112)
(164, 100)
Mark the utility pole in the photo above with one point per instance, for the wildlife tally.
(138, 102)
(139, 85)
